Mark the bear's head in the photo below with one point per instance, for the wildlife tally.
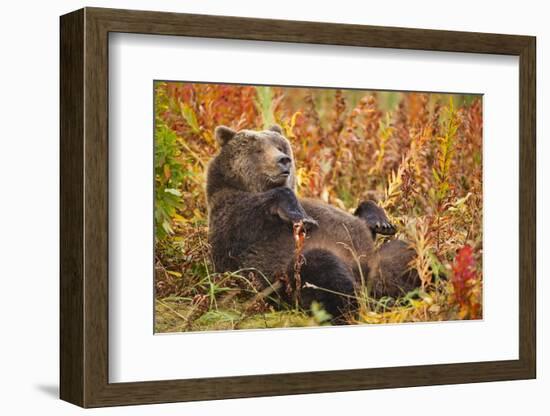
(253, 161)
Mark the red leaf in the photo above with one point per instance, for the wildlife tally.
(463, 271)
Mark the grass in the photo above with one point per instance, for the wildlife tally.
(419, 155)
(171, 316)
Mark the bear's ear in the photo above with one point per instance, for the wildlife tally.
(224, 134)
(277, 129)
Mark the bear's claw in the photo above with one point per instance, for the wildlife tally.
(310, 223)
(375, 217)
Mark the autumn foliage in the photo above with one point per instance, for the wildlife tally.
(419, 155)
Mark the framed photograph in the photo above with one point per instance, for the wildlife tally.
(255, 207)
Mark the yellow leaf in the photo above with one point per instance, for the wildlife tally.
(290, 126)
(167, 172)
(179, 218)
(190, 117)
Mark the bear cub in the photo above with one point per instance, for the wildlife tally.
(252, 208)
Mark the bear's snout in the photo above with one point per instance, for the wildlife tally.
(284, 164)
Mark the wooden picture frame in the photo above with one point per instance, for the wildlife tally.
(84, 207)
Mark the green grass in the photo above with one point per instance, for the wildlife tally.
(173, 315)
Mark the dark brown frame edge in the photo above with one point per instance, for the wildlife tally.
(84, 207)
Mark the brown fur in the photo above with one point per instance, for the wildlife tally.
(252, 206)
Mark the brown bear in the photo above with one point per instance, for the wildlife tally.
(252, 208)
